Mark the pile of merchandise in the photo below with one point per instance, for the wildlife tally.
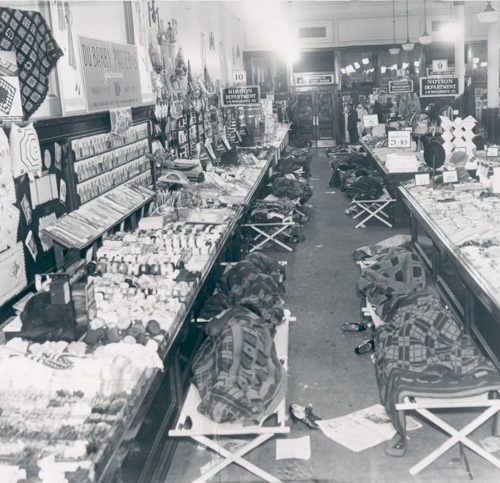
(236, 370)
(421, 346)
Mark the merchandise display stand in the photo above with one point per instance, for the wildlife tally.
(202, 428)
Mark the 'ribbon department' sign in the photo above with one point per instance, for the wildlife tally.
(240, 96)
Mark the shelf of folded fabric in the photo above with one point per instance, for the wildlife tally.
(455, 230)
(393, 179)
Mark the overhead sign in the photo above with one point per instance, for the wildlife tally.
(240, 96)
(440, 73)
(399, 139)
(110, 73)
(439, 65)
(400, 86)
(439, 87)
(300, 80)
(239, 77)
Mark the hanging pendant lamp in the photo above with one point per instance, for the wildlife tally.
(407, 46)
(425, 38)
(394, 50)
(489, 15)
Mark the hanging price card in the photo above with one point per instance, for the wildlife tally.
(450, 176)
(399, 139)
(422, 179)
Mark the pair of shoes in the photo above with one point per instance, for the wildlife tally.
(367, 346)
(354, 326)
(395, 446)
(304, 415)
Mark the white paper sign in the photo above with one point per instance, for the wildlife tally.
(422, 179)
(492, 152)
(399, 139)
(371, 120)
(450, 176)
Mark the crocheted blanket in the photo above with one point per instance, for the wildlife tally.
(27, 33)
(422, 350)
(236, 370)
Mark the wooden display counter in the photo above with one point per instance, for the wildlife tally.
(462, 285)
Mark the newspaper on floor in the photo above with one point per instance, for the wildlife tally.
(363, 429)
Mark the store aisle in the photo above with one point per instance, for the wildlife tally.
(323, 369)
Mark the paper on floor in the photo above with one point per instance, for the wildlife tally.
(299, 448)
(362, 429)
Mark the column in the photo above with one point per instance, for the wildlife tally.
(459, 9)
(491, 118)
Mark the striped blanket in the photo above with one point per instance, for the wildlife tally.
(422, 350)
(236, 370)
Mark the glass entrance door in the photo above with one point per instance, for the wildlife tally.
(305, 116)
(325, 115)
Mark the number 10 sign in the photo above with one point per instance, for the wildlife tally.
(399, 139)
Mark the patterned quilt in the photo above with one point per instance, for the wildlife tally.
(236, 370)
(423, 350)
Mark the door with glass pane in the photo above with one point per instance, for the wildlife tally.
(325, 115)
(304, 114)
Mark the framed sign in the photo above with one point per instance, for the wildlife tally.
(313, 79)
(439, 65)
(450, 72)
(492, 152)
(371, 120)
(240, 96)
(110, 73)
(399, 139)
(438, 87)
(400, 86)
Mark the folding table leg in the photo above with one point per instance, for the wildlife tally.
(236, 457)
(456, 437)
(270, 237)
(375, 214)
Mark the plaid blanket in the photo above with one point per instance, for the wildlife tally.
(394, 273)
(423, 350)
(236, 370)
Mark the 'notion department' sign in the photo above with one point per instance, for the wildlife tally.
(313, 79)
(110, 73)
(438, 86)
(400, 86)
(240, 96)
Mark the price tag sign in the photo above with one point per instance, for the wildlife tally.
(492, 152)
(370, 121)
(450, 176)
(239, 77)
(399, 139)
(422, 179)
(439, 65)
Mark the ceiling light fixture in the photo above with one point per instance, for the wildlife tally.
(407, 46)
(489, 15)
(394, 50)
(425, 38)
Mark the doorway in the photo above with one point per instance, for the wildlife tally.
(314, 115)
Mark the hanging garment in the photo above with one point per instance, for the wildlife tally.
(7, 187)
(25, 150)
(27, 33)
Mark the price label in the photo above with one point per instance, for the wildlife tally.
(440, 64)
(370, 121)
(399, 139)
(422, 179)
(492, 152)
(239, 77)
(450, 176)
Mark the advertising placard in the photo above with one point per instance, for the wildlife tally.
(110, 73)
(399, 139)
(439, 87)
(313, 79)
